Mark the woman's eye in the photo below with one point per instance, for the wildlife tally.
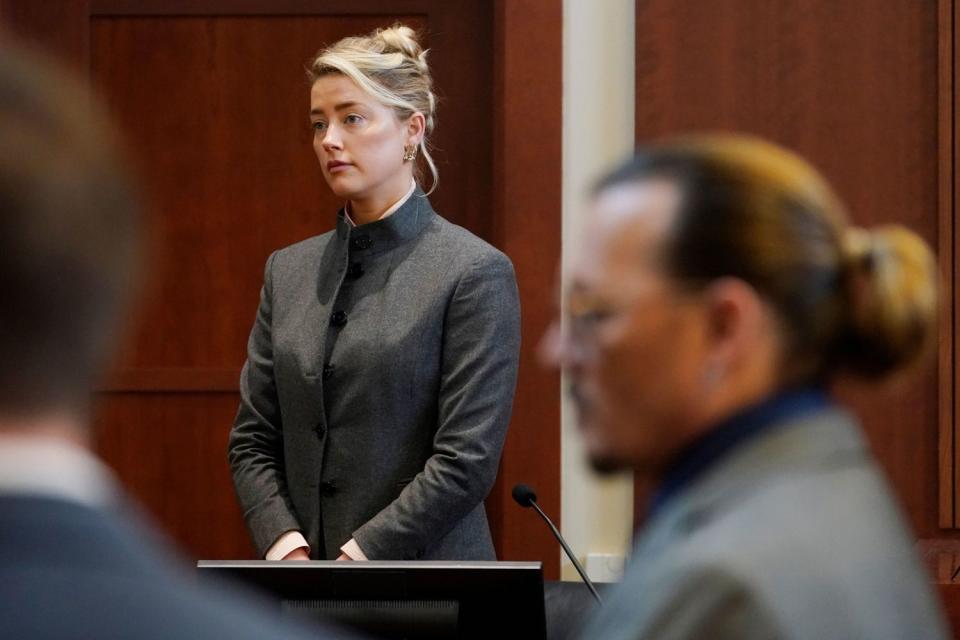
(353, 119)
(319, 126)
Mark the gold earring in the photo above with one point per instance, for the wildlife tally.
(409, 153)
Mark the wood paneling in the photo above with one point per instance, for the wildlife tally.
(58, 28)
(941, 558)
(527, 161)
(184, 379)
(169, 450)
(213, 99)
(947, 397)
(856, 87)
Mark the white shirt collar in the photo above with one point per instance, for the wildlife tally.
(53, 467)
(396, 205)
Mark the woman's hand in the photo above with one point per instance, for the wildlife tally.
(300, 553)
(344, 556)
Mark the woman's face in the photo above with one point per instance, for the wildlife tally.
(360, 142)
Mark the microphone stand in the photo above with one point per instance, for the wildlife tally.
(573, 558)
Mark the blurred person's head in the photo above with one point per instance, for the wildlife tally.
(69, 226)
(718, 271)
(372, 109)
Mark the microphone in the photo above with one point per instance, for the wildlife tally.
(525, 497)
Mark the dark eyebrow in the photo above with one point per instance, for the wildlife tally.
(337, 107)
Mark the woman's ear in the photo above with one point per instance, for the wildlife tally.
(416, 127)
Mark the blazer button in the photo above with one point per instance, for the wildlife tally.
(339, 318)
(328, 371)
(355, 270)
(328, 488)
(361, 242)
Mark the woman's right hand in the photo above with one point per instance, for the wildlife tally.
(300, 553)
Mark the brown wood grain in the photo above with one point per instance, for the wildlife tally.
(527, 225)
(942, 557)
(949, 593)
(169, 450)
(946, 164)
(58, 28)
(856, 88)
(185, 379)
(267, 7)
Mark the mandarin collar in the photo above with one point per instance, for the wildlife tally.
(378, 236)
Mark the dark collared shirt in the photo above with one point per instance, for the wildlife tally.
(733, 433)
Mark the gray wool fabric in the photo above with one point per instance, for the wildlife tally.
(378, 388)
(795, 536)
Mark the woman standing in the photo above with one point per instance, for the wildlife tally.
(382, 363)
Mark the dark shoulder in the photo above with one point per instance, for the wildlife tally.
(98, 574)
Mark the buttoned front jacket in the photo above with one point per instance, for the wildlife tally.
(378, 388)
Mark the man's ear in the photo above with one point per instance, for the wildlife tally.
(736, 320)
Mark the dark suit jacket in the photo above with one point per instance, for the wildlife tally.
(795, 535)
(68, 571)
(377, 389)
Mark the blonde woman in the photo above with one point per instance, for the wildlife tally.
(382, 364)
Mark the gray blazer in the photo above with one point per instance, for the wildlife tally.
(794, 536)
(378, 388)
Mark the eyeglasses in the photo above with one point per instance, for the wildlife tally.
(585, 317)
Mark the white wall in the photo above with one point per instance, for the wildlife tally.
(598, 108)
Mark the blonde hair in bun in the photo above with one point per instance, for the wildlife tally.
(390, 65)
(848, 299)
(892, 283)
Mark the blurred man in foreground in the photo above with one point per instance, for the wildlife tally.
(70, 565)
(720, 291)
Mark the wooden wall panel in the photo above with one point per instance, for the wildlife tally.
(527, 160)
(949, 185)
(855, 87)
(212, 96)
(169, 449)
(58, 27)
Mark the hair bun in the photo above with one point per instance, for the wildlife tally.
(892, 285)
(402, 39)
